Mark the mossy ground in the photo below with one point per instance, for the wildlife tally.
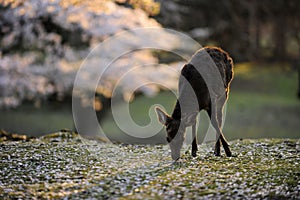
(66, 167)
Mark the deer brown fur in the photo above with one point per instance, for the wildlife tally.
(195, 95)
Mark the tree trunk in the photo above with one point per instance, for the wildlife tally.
(298, 82)
(279, 38)
(254, 27)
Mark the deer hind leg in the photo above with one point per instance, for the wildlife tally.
(225, 146)
(216, 120)
(215, 124)
(194, 144)
(217, 150)
(221, 135)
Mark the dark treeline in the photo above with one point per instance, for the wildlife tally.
(250, 30)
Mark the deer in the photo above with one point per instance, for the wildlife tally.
(203, 85)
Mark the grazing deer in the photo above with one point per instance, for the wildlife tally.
(200, 87)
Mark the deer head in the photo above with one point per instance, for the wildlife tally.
(175, 129)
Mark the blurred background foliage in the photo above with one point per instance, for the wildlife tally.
(43, 43)
(256, 29)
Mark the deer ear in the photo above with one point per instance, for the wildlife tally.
(161, 115)
(190, 119)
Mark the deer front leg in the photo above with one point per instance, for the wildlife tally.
(194, 144)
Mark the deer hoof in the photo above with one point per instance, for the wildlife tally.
(217, 154)
(194, 153)
(229, 154)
